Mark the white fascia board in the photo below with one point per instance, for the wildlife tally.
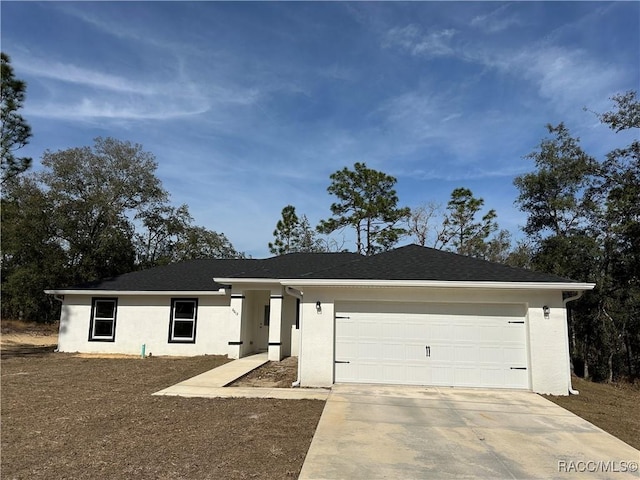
(147, 293)
(243, 281)
(565, 286)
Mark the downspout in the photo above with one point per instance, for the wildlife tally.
(59, 298)
(564, 303)
(297, 294)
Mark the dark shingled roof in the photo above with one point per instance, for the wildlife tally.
(411, 262)
(197, 275)
(414, 262)
(297, 265)
(191, 275)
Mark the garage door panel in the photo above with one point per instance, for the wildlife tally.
(439, 331)
(441, 353)
(489, 333)
(393, 371)
(371, 327)
(370, 372)
(415, 352)
(390, 330)
(492, 376)
(367, 350)
(418, 375)
(441, 375)
(432, 344)
(465, 332)
(412, 328)
(465, 376)
(514, 378)
(465, 354)
(394, 351)
(515, 356)
(348, 349)
(488, 355)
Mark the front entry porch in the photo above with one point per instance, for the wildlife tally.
(261, 320)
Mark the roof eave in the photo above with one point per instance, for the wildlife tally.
(199, 293)
(241, 280)
(564, 286)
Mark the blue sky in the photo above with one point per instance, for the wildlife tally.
(249, 107)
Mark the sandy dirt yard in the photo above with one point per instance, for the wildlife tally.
(15, 334)
(82, 416)
(21, 339)
(271, 375)
(67, 416)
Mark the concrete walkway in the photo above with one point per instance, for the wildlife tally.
(212, 384)
(372, 432)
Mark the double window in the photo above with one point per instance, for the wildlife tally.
(103, 319)
(182, 327)
(184, 313)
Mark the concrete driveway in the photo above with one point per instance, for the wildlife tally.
(377, 431)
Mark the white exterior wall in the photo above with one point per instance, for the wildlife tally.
(289, 326)
(295, 341)
(546, 338)
(145, 320)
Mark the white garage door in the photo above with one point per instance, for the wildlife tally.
(462, 345)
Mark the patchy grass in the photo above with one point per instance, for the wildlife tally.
(65, 416)
(614, 408)
(10, 326)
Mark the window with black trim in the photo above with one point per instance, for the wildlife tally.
(297, 313)
(182, 327)
(102, 327)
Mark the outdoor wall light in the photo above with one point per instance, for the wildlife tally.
(318, 306)
(546, 310)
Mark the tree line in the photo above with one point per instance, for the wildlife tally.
(380, 224)
(95, 212)
(91, 213)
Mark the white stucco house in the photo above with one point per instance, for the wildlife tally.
(413, 315)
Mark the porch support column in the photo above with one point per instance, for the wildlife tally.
(275, 327)
(236, 318)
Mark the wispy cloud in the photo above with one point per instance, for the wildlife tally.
(89, 109)
(568, 78)
(563, 75)
(339, 72)
(476, 172)
(69, 73)
(497, 20)
(412, 39)
(121, 29)
(82, 93)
